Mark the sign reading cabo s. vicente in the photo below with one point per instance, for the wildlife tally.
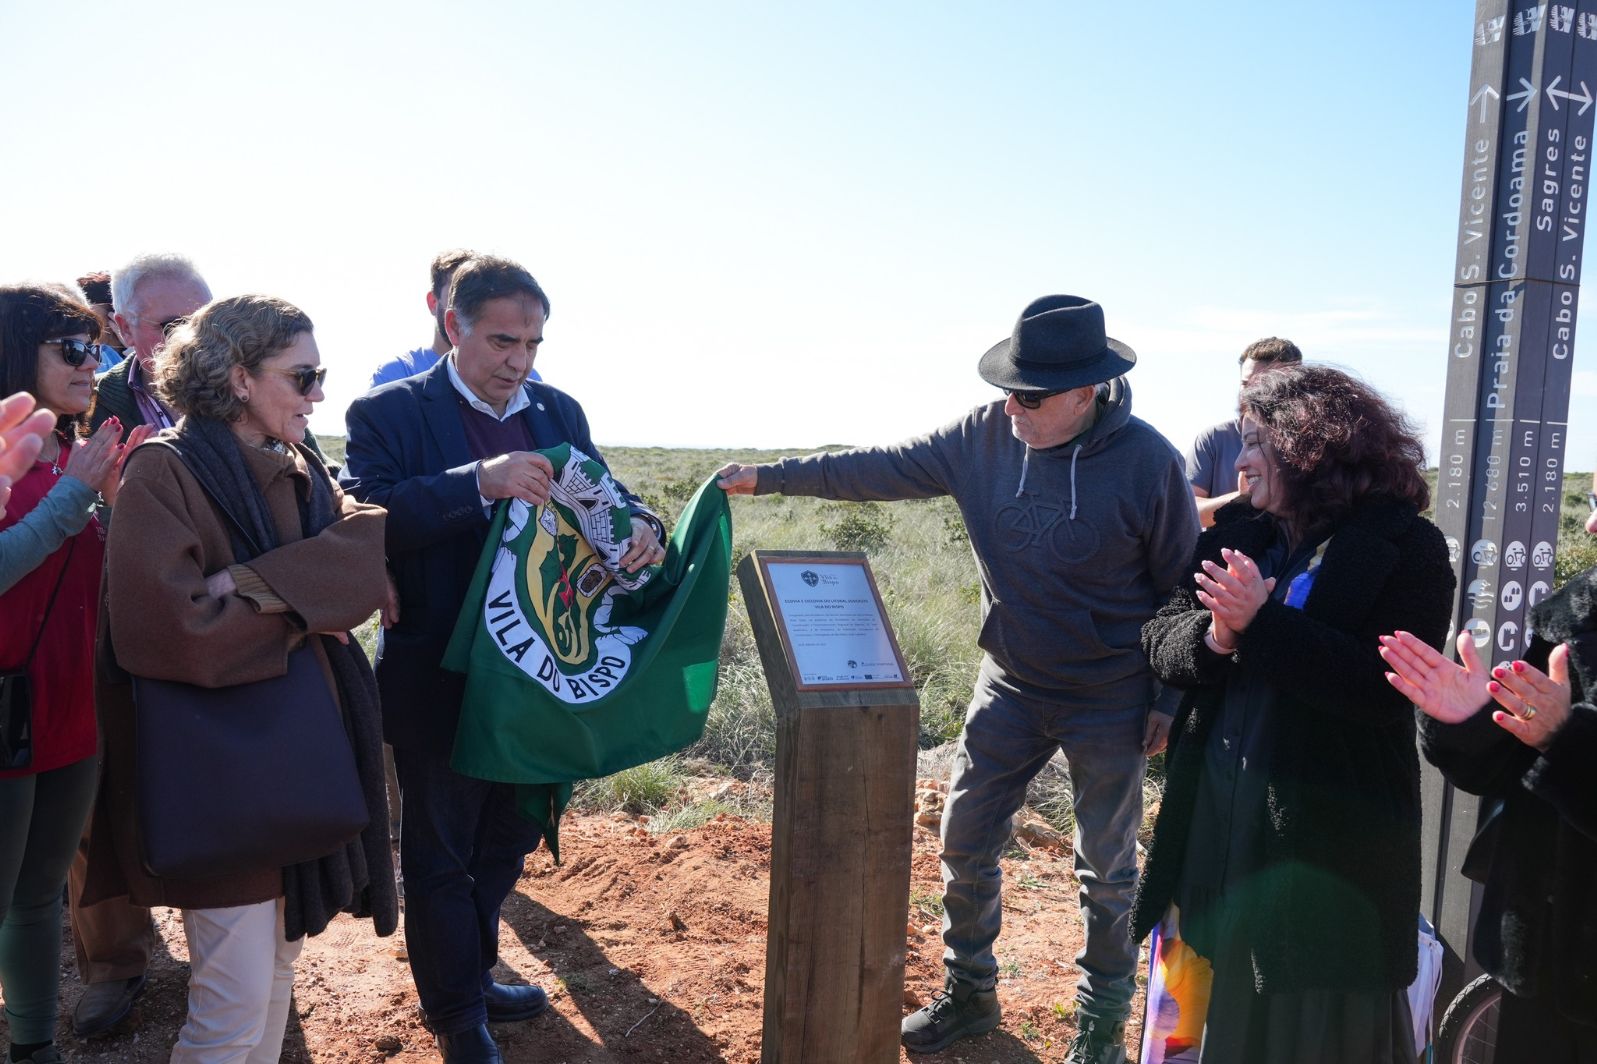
(832, 622)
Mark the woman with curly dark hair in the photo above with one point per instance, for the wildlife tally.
(1285, 863)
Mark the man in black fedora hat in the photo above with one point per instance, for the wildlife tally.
(1081, 522)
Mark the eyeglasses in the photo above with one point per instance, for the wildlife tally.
(306, 378)
(76, 352)
(1030, 400)
(166, 326)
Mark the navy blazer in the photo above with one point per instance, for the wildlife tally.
(407, 452)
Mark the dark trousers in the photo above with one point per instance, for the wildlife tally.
(462, 847)
(1532, 1029)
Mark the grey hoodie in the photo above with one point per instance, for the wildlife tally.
(1077, 545)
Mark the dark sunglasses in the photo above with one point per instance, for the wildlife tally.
(306, 378)
(76, 352)
(1030, 400)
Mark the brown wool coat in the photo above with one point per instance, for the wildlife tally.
(157, 620)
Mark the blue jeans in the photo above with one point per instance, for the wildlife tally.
(1006, 741)
(462, 846)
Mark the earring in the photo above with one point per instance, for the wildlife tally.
(244, 397)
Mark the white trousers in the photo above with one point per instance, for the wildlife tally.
(240, 982)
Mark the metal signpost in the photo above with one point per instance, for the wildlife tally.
(1522, 223)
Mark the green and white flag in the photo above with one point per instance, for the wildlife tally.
(574, 667)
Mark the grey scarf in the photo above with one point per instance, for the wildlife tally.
(359, 879)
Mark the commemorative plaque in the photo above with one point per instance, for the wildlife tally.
(842, 822)
(832, 623)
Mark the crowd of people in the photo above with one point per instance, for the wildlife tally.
(1272, 609)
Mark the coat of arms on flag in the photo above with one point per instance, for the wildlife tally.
(574, 667)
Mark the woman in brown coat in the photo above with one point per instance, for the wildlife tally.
(231, 548)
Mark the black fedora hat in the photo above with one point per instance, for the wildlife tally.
(1058, 344)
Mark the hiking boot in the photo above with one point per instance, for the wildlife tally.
(1097, 1041)
(954, 1012)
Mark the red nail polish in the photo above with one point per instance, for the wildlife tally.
(1519, 666)
(1493, 686)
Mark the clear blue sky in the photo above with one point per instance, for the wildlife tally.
(775, 225)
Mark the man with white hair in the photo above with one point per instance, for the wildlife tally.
(149, 296)
(114, 938)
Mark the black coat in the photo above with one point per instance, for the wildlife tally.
(1342, 847)
(1536, 931)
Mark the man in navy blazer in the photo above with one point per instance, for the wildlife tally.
(438, 450)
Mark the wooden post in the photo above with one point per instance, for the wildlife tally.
(841, 842)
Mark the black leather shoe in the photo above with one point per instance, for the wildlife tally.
(104, 1005)
(507, 1002)
(471, 1046)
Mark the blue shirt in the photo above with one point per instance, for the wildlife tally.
(109, 356)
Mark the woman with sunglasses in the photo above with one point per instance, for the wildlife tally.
(51, 548)
(1286, 854)
(231, 549)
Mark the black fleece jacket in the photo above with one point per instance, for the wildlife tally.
(1342, 847)
(1536, 931)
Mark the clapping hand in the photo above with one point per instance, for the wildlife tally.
(23, 429)
(1232, 594)
(1535, 703)
(1448, 692)
(98, 460)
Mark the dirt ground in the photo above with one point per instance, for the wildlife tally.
(652, 948)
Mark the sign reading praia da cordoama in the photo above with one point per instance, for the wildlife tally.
(575, 668)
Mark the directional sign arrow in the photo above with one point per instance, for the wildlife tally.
(1480, 97)
(1554, 94)
(1525, 96)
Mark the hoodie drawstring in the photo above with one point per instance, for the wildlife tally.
(1025, 464)
(1073, 456)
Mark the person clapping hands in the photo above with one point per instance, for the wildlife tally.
(1523, 735)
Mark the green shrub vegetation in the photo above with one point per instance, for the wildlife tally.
(920, 555)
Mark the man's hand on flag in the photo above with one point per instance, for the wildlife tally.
(523, 475)
(643, 548)
(737, 479)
